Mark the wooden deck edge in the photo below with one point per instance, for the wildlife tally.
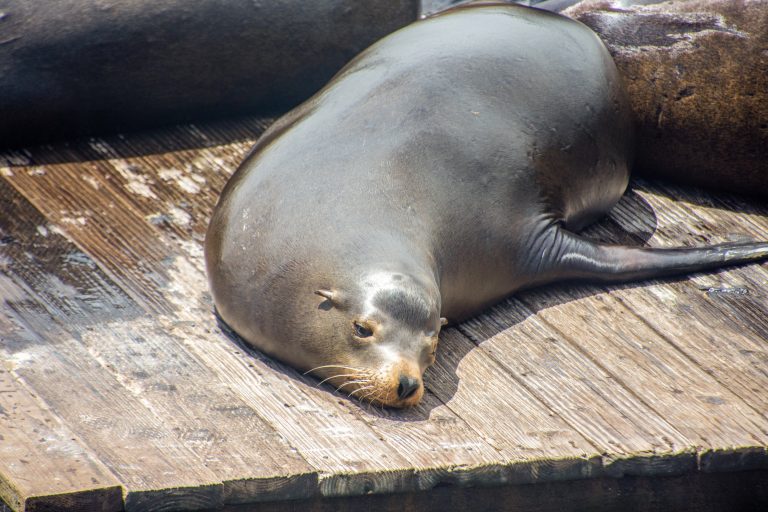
(342, 485)
(515, 473)
(289, 487)
(699, 492)
(734, 459)
(599, 492)
(180, 498)
(651, 464)
(54, 470)
(684, 463)
(369, 482)
(292, 490)
(105, 499)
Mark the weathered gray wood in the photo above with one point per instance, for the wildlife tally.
(152, 466)
(727, 431)
(180, 432)
(716, 337)
(536, 443)
(42, 463)
(633, 438)
(691, 399)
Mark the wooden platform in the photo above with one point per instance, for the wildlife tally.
(119, 390)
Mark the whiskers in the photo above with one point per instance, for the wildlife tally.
(370, 398)
(333, 366)
(362, 378)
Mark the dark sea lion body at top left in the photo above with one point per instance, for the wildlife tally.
(82, 66)
(446, 167)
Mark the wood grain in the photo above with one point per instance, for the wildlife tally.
(536, 443)
(724, 429)
(632, 437)
(43, 465)
(700, 492)
(676, 382)
(136, 363)
(725, 331)
(154, 470)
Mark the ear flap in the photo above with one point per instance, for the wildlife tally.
(443, 321)
(332, 296)
(328, 294)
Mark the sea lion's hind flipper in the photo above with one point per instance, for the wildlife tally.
(575, 257)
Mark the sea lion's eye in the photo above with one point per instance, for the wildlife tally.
(362, 331)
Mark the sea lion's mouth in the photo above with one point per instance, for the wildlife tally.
(374, 388)
(388, 392)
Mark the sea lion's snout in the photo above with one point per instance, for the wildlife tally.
(401, 385)
(407, 387)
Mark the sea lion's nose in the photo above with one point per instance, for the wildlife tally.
(408, 386)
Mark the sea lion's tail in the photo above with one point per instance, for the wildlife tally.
(575, 257)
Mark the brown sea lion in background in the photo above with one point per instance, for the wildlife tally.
(69, 67)
(446, 167)
(696, 72)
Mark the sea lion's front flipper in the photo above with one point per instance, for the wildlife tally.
(571, 256)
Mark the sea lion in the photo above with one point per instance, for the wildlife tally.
(80, 66)
(444, 168)
(696, 73)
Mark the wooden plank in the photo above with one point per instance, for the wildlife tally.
(729, 433)
(726, 331)
(514, 326)
(43, 466)
(438, 444)
(723, 353)
(230, 438)
(632, 437)
(201, 435)
(144, 456)
(536, 443)
(439, 451)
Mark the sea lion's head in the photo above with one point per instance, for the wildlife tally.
(363, 317)
(379, 335)
(369, 334)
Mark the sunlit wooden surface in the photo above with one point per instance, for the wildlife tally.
(119, 390)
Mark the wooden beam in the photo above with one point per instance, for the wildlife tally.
(699, 492)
